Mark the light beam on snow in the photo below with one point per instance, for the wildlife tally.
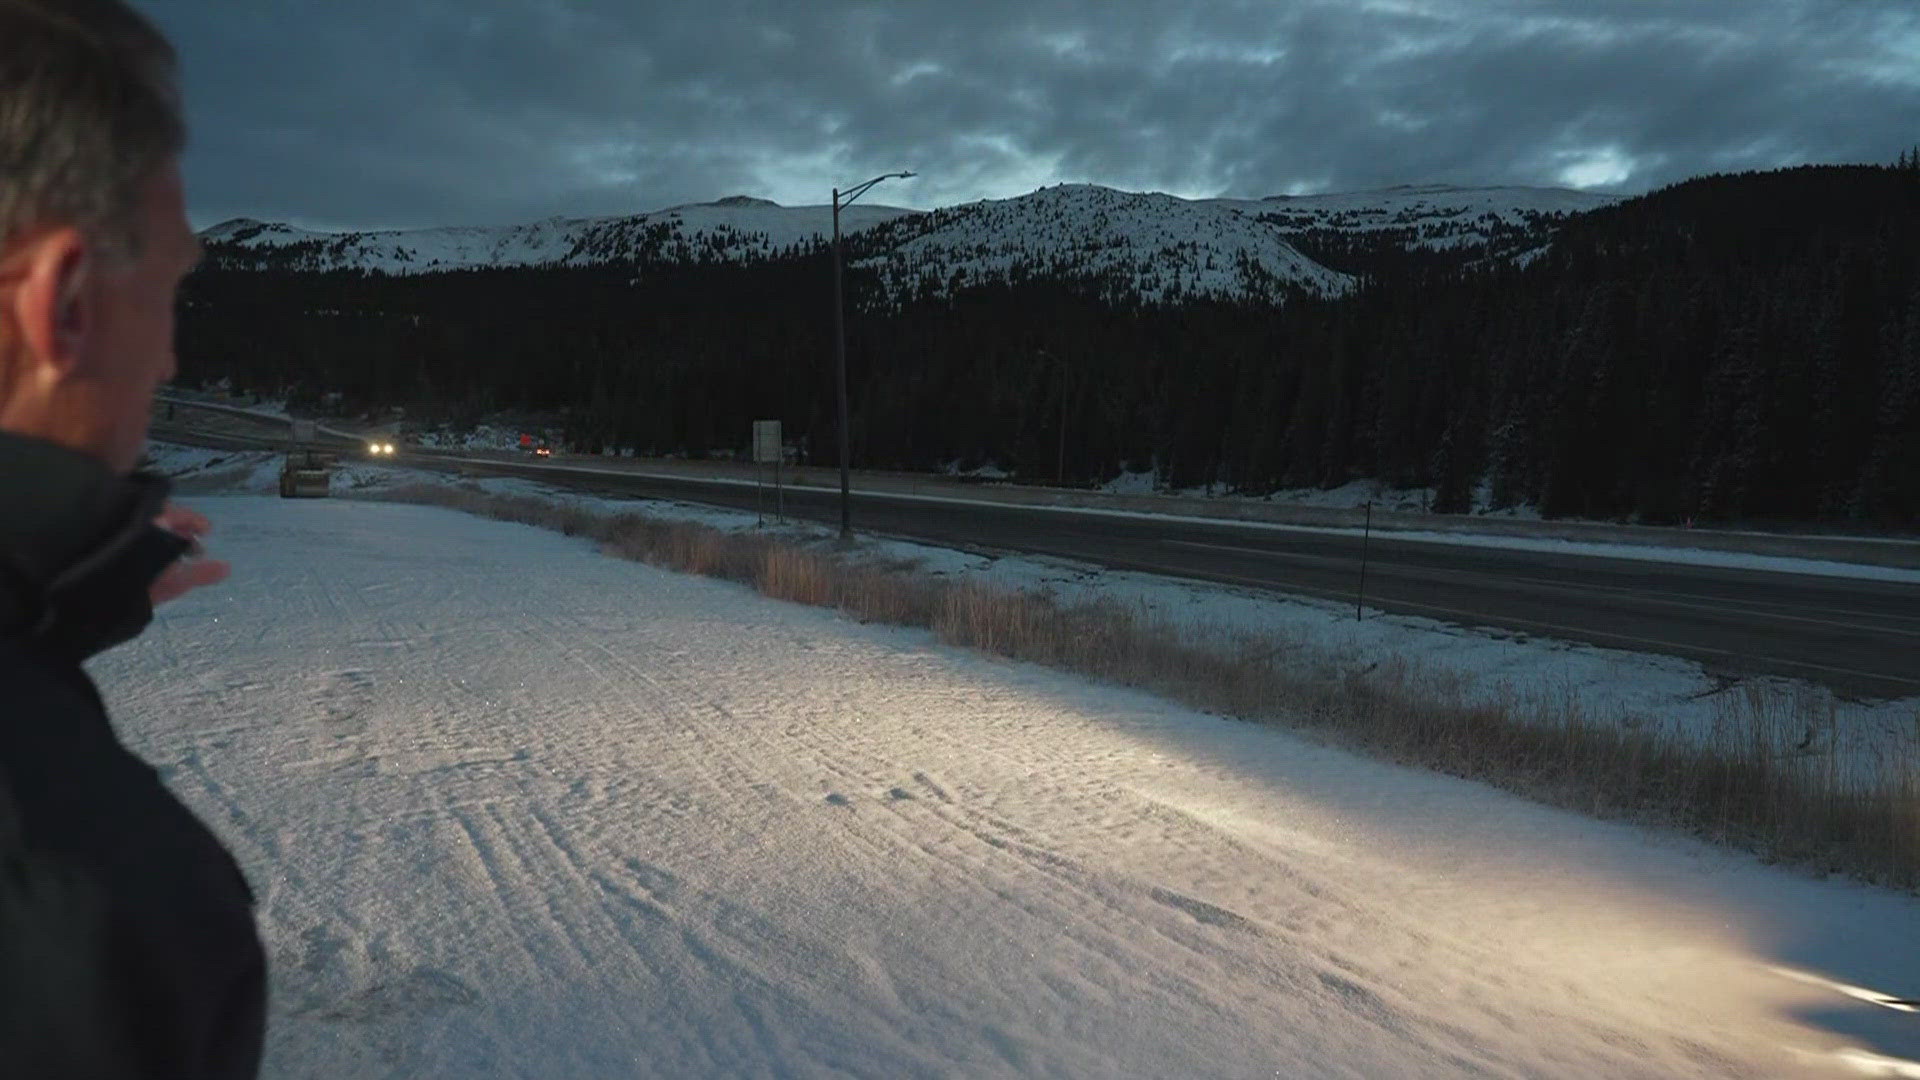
(1872, 997)
(1868, 1063)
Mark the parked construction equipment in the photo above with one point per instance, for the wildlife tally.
(308, 472)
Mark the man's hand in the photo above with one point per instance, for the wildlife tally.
(191, 571)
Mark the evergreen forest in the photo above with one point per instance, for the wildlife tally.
(1736, 349)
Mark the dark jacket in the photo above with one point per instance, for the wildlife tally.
(126, 929)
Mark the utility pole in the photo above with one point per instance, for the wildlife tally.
(1060, 476)
(840, 366)
(1365, 535)
(1060, 466)
(840, 346)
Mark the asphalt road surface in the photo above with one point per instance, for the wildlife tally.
(1860, 637)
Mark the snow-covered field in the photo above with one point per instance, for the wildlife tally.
(514, 808)
(1534, 674)
(1635, 690)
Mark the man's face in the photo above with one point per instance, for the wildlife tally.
(130, 351)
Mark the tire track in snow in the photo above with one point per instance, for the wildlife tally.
(998, 832)
(731, 935)
(848, 751)
(723, 768)
(487, 869)
(995, 837)
(723, 954)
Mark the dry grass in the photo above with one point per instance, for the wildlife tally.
(1771, 777)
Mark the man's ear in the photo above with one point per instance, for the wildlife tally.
(49, 302)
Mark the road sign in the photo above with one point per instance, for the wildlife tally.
(766, 442)
(767, 450)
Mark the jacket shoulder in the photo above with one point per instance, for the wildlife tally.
(79, 792)
(183, 952)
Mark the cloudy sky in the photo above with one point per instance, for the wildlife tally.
(384, 113)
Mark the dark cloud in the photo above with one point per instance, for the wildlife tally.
(358, 113)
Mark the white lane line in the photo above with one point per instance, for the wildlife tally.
(1272, 553)
(1563, 587)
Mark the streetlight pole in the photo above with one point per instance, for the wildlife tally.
(1060, 471)
(1060, 477)
(841, 199)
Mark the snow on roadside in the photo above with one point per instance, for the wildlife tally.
(989, 471)
(513, 808)
(1682, 556)
(171, 460)
(1355, 494)
(1634, 690)
(480, 437)
(1133, 483)
(197, 470)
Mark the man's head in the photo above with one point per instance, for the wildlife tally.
(93, 232)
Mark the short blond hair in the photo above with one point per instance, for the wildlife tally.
(89, 113)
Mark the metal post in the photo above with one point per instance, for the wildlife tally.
(840, 346)
(1060, 472)
(840, 351)
(1365, 535)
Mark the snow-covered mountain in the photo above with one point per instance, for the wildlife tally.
(1153, 246)
(1505, 221)
(737, 228)
(1159, 246)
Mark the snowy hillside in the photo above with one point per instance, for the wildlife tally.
(1159, 246)
(735, 228)
(1433, 216)
(1153, 246)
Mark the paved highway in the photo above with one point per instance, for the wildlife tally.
(1860, 637)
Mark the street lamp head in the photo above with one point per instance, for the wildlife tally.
(843, 198)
